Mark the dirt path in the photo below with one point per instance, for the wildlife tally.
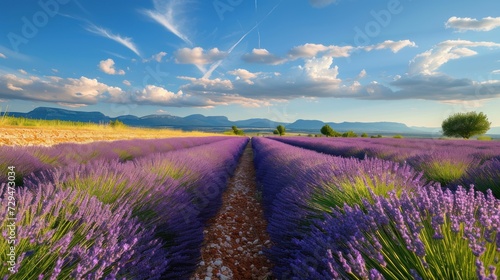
(236, 236)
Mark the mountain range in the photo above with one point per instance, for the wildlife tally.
(221, 123)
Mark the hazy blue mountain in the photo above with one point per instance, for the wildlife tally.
(259, 122)
(47, 113)
(220, 123)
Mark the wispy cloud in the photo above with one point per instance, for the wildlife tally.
(429, 61)
(198, 56)
(2, 55)
(465, 24)
(166, 13)
(394, 46)
(321, 3)
(125, 41)
(218, 63)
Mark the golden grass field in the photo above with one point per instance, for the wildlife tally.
(23, 132)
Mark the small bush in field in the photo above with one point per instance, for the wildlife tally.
(398, 136)
(116, 124)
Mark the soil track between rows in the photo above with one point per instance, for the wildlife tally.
(236, 237)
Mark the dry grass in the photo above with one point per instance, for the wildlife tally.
(23, 132)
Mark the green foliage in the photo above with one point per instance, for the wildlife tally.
(484, 138)
(281, 130)
(398, 136)
(364, 135)
(117, 124)
(465, 125)
(329, 132)
(276, 132)
(444, 172)
(237, 131)
(376, 136)
(349, 133)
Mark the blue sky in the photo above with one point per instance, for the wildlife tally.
(407, 61)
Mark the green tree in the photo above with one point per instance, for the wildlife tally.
(237, 131)
(276, 132)
(328, 131)
(465, 125)
(364, 135)
(281, 130)
(349, 133)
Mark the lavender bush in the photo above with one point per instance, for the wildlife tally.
(299, 186)
(485, 177)
(65, 234)
(429, 234)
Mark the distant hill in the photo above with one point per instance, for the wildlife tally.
(221, 123)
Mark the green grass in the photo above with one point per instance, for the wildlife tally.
(6, 120)
(484, 138)
(444, 172)
(350, 191)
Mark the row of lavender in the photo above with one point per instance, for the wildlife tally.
(345, 218)
(449, 162)
(36, 158)
(108, 219)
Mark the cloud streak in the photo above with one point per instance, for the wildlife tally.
(166, 14)
(472, 24)
(125, 41)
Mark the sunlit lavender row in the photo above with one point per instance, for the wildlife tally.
(107, 219)
(449, 162)
(345, 218)
(28, 159)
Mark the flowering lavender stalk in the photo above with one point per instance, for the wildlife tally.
(484, 177)
(60, 232)
(431, 234)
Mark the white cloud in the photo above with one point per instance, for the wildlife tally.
(198, 56)
(361, 74)
(218, 85)
(320, 70)
(312, 50)
(441, 87)
(108, 66)
(126, 82)
(159, 56)
(2, 55)
(430, 61)
(160, 111)
(125, 41)
(262, 56)
(157, 95)
(321, 3)
(245, 75)
(22, 71)
(167, 14)
(495, 71)
(465, 24)
(394, 46)
(56, 89)
(13, 87)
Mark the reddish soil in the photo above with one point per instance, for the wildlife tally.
(236, 236)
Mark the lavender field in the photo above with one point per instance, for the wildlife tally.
(376, 210)
(335, 208)
(128, 209)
